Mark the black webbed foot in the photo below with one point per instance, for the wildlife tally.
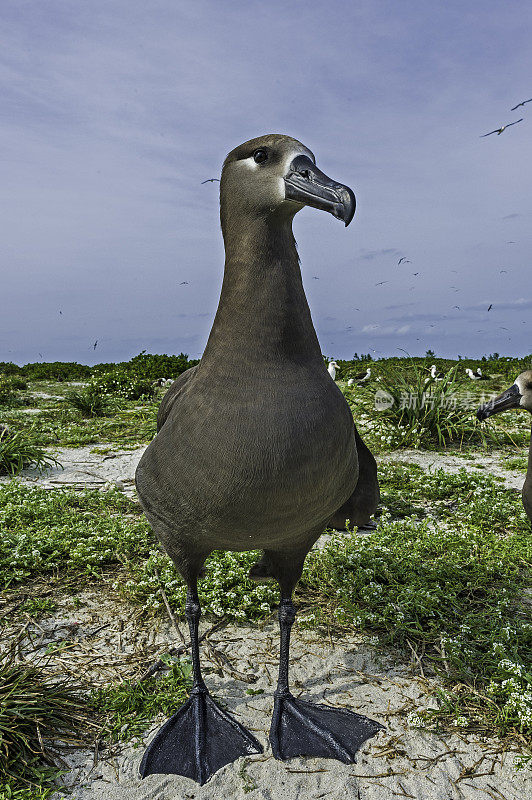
(198, 740)
(300, 728)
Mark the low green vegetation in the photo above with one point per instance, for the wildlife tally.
(449, 587)
(122, 384)
(58, 426)
(40, 715)
(126, 710)
(519, 463)
(444, 575)
(10, 387)
(67, 533)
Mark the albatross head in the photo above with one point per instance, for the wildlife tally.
(519, 395)
(275, 174)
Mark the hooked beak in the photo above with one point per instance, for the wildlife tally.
(307, 184)
(508, 399)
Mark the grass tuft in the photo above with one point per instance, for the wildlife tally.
(91, 401)
(36, 712)
(421, 412)
(19, 449)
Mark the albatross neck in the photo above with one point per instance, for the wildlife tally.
(263, 314)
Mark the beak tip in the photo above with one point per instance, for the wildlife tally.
(350, 205)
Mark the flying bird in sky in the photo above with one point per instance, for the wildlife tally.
(94, 345)
(521, 104)
(458, 307)
(490, 306)
(210, 180)
(380, 283)
(403, 259)
(498, 131)
(183, 283)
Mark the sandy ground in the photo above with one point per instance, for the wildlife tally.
(480, 463)
(81, 467)
(113, 642)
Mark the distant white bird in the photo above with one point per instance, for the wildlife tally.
(471, 375)
(480, 376)
(434, 374)
(360, 377)
(498, 131)
(162, 382)
(333, 366)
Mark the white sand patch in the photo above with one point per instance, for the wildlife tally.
(103, 641)
(485, 463)
(83, 468)
(346, 672)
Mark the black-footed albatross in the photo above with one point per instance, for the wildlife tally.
(519, 395)
(256, 449)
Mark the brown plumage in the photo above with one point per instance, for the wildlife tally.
(256, 446)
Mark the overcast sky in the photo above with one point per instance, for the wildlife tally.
(114, 111)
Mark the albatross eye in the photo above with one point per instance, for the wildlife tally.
(260, 156)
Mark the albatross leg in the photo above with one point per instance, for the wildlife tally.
(300, 728)
(201, 737)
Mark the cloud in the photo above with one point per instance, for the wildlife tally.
(503, 305)
(370, 255)
(385, 330)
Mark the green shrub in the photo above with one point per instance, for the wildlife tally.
(91, 401)
(124, 384)
(7, 390)
(55, 371)
(17, 382)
